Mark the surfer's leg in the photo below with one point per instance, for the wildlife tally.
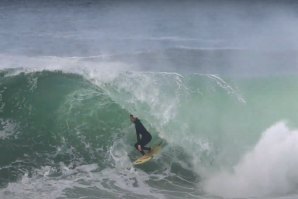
(144, 142)
(146, 148)
(142, 152)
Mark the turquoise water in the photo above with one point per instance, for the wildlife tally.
(69, 135)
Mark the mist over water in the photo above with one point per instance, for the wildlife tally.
(223, 37)
(273, 157)
(215, 81)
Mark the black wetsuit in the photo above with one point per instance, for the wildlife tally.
(143, 136)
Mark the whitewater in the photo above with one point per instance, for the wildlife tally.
(219, 94)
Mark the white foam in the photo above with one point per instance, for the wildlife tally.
(40, 185)
(8, 128)
(96, 71)
(82, 181)
(270, 168)
(220, 82)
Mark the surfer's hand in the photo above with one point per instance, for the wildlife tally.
(139, 148)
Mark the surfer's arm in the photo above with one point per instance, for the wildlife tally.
(139, 148)
(138, 130)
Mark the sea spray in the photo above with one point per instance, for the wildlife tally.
(269, 169)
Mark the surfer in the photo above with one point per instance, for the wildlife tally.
(143, 136)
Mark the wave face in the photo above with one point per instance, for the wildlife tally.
(68, 135)
(49, 117)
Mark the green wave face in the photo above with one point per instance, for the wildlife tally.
(51, 117)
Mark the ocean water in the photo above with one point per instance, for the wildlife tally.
(71, 72)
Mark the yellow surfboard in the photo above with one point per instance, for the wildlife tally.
(148, 156)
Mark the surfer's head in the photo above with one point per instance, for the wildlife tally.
(132, 118)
